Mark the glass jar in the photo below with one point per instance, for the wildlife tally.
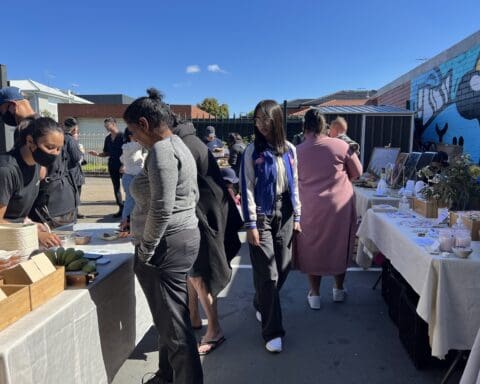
(446, 240)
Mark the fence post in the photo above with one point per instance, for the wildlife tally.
(3, 130)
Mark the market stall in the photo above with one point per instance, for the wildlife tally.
(447, 285)
(81, 335)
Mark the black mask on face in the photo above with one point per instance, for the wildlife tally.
(43, 158)
(9, 119)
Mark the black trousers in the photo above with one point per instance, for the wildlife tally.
(165, 286)
(115, 176)
(271, 262)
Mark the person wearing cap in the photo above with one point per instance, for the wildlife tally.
(231, 182)
(236, 148)
(13, 106)
(214, 144)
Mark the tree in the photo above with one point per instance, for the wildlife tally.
(211, 105)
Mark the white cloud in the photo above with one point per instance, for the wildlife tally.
(215, 68)
(192, 69)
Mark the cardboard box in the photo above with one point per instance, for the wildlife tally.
(15, 306)
(44, 264)
(427, 208)
(470, 222)
(24, 273)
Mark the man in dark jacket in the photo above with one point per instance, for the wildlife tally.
(236, 148)
(219, 223)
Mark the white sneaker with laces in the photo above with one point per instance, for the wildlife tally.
(258, 315)
(274, 345)
(339, 295)
(314, 301)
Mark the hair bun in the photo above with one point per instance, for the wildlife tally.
(154, 94)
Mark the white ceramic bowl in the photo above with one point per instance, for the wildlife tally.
(462, 252)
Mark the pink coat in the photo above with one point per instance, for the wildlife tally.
(325, 167)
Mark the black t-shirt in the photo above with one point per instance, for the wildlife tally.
(19, 184)
(114, 149)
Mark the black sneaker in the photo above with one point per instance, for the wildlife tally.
(156, 379)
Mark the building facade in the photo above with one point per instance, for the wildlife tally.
(444, 92)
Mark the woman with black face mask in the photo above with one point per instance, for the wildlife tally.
(38, 143)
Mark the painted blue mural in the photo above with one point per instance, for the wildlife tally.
(447, 100)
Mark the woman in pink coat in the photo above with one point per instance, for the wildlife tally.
(325, 167)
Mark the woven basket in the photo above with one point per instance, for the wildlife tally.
(21, 237)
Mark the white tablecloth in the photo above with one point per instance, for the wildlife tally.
(83, 335)
(448, 287)
(365, 198)
(471, 374)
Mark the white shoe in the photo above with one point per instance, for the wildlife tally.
(274, 345)
(314, 301)
(258, 315)
(339, 295)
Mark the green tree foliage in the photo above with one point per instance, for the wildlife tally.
(211, 105)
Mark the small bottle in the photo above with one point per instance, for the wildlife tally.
(382, 184)
(404, 204)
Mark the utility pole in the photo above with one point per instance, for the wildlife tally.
(3, 132)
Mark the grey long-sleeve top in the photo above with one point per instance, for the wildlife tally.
(165, 195)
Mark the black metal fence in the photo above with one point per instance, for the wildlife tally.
(240, 125)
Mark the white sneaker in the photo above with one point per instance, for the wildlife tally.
(314, 301)
(274, 345)
(258, 315)
(339, 295)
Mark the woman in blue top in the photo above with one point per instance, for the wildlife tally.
(271, 209)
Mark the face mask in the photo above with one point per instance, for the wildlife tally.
(9, 119)
(43, 158)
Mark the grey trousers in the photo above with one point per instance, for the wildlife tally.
(271, 263)
(165, 287)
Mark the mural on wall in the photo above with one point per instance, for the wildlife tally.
(447, 100)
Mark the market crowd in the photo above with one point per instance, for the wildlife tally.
(184, 212)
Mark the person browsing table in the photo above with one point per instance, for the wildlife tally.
(38, 144)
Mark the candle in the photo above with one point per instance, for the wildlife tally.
(446, 240)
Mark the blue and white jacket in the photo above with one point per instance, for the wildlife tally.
(259, 182)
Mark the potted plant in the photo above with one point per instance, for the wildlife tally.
(454, 185)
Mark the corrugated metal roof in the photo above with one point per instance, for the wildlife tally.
(364, 110)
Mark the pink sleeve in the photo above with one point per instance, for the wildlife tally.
(353, 165)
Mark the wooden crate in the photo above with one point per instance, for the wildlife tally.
(15, 306)
(473, 225)
(427, 208)
(46, 288)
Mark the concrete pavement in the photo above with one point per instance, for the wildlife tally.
(351, 342)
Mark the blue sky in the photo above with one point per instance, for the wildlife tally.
(255, 49)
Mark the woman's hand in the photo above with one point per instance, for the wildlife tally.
(297, 228)
(253, 237)
(48, 240)
(93, 153)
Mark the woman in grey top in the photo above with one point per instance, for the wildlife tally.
(166, 234)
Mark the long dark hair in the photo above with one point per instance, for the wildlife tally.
(36, 128)
(314, 122)
(273, 111)
(152, 108)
